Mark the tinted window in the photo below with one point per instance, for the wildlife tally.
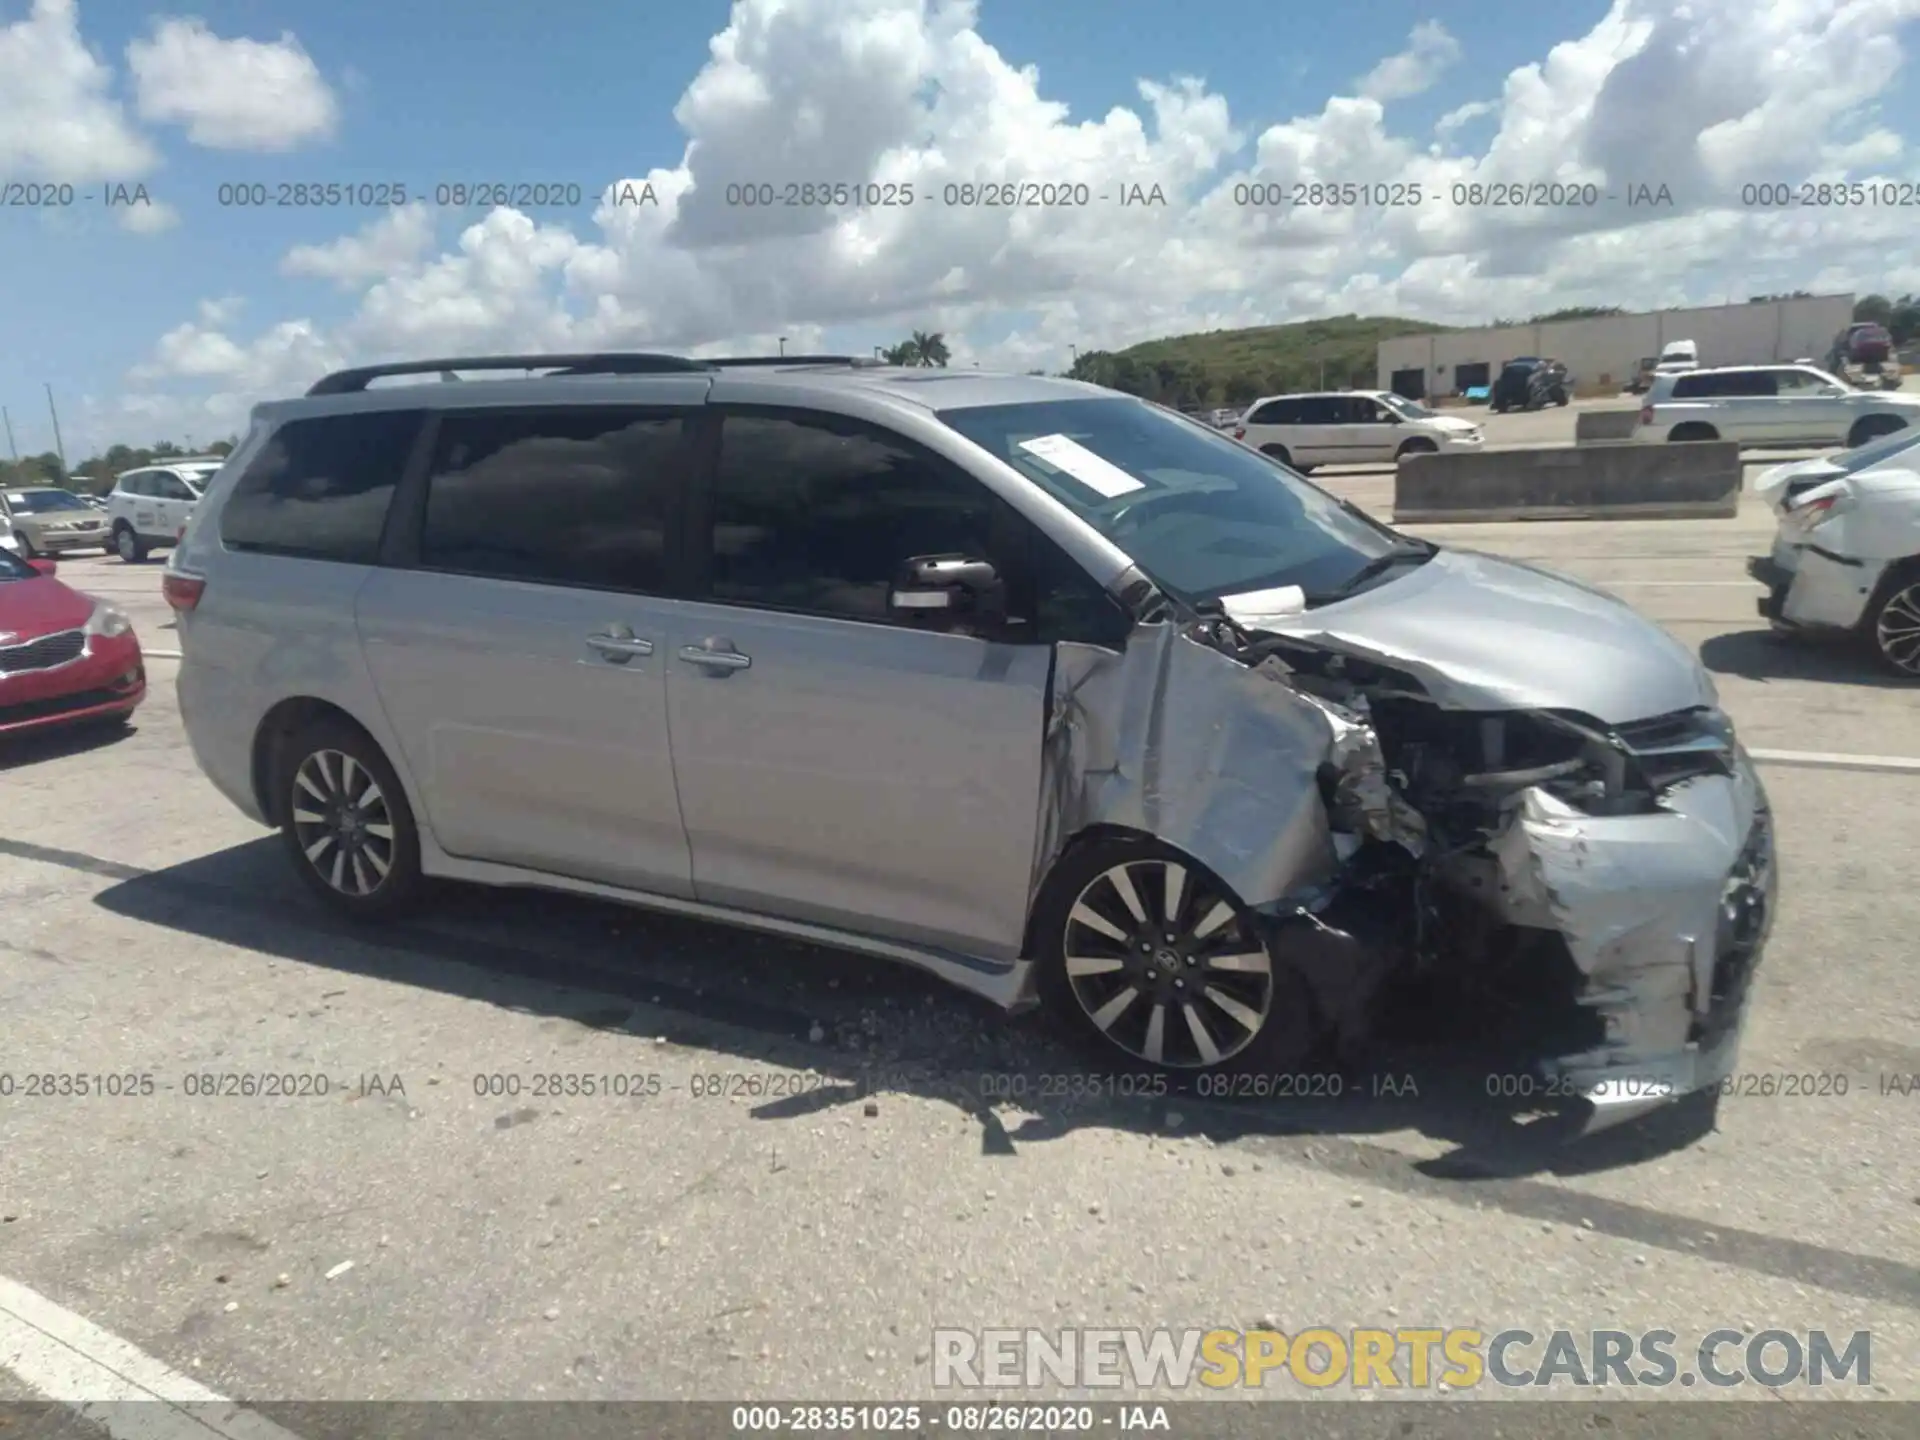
(171, 487)
(1322, 410)
(816, 515)
(577, 497)
(1724, 384)
(1277, 412)
(320, 487)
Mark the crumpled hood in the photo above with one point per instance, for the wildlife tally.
(1485, 633)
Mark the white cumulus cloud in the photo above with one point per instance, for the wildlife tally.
(237, 94)
(1431, 51)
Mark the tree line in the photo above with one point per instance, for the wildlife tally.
(95, 476)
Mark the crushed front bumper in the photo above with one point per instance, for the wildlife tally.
(1666, 916)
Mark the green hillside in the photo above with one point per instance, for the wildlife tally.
(1233, 367)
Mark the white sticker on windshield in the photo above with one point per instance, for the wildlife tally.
(1251, 606)
(1064, 453)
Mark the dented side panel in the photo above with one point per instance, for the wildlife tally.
(1176, 740)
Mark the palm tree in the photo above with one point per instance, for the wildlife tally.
(932, 348)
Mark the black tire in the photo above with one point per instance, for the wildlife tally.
(1278, 452)
(1285, 1029)
(1892, 622)
(355, 886)
(1692, 430)
(27, 552)
(1415, 447)
(128, 545)
(1872, 427)
(1560, 397)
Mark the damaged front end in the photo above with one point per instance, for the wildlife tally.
(1386, 823)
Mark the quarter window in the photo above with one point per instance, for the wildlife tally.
(319, 488)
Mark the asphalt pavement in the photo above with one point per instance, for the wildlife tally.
(798, 1163)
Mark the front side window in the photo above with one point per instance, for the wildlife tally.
(1202, 516)
(580, 497)
(818, 515)
(319, 488)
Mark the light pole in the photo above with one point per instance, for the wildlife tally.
(10, 445)
(59, 447)
(783, 344)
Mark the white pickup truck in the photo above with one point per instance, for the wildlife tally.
(1770, 407)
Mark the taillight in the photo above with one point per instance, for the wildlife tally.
(1239, 432)
(181, 592)
(1646, 414)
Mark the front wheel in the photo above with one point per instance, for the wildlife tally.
(25, 542)
(1416, 447)
(346, 822)
(1147, 955)
(1872, 428)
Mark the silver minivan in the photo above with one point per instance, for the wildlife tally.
(1061, 696)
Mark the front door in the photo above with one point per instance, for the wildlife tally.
(838, 763)
(1811, 413)
(521, 652)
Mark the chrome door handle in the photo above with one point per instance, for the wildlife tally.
(620, 648)
(714, 659)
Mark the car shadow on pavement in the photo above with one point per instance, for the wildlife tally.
(33, 748)
(1767, 655)
(873, 1028)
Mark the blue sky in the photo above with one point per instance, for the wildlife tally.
(428, 91)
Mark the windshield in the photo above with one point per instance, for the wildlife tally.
(1400, 405)
(40, 502)
(1201, 515)
(12, 567)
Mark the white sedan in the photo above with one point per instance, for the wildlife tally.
(1846, 552)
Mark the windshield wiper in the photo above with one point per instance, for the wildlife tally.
(1374, 568)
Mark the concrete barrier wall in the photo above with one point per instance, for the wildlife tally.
(1697, 481)
(1591, 425)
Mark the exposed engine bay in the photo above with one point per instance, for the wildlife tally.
(1503, 850)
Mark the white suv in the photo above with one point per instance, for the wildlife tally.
(1350, 427)
(1770, 406)
(149, 508)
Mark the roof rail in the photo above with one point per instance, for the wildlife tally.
(736, 360)
(352, 382)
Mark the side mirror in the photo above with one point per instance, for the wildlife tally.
(44, 567)
(949, 585)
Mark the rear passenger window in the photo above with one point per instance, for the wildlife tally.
(1279, 412)
(576, 497)
(319, 489)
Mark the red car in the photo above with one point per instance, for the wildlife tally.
(64, 656)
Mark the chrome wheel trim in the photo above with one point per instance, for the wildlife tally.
(1164, 967)
(1896, 630)
(342, 823)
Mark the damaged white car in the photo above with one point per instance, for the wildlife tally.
(1053, 693)
(1846, 553)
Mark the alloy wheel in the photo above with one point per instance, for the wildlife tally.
(123, 544)
(343, 825)
(1896, 630)
(1164, 967)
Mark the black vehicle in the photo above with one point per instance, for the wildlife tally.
(1529, 383)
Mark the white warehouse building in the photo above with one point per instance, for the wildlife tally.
(1605, 351)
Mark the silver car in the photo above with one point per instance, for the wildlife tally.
(1056, 694)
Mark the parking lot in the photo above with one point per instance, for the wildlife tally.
(424, 1226)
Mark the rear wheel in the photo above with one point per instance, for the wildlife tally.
(1894, 622)
(1150, 957)
(1872, 427)
(1693, 430)
(346, 822)
(127, 545)
(1277, 452)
